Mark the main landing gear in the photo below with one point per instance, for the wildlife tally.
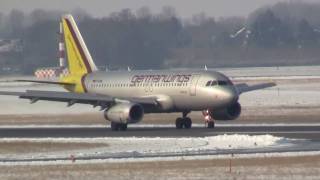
(184, 122)
(118, 126)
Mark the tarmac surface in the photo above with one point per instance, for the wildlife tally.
(304, 138)
(297, 131)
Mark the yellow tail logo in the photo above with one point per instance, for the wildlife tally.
(80, 61)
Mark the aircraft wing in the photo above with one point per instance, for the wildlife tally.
(73, 98)
(243, 87)
(44, 81)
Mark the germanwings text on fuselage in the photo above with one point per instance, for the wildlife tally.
(161, 78)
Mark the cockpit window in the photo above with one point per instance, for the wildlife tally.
(222, 83)
(219, 82)
(212, 83)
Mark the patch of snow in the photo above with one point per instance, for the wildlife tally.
(153, 159)
(147, 145)
(271, 71)
(275, 77)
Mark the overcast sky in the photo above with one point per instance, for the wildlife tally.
(184, 8)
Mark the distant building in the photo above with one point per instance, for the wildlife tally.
(10, 45)
(54, 72)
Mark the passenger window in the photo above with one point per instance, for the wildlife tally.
(208, 83)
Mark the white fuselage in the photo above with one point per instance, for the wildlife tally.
(175, 90)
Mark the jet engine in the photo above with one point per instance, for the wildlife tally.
(230, 113)
(124, 113)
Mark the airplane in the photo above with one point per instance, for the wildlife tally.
(125, 96)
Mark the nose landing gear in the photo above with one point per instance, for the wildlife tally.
(184, 122)
(210, 124)
(209, 121)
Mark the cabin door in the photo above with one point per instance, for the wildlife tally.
(193, 85)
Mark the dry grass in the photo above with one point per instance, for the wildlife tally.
(307, 167)
(81, 118)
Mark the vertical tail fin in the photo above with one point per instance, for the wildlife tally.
(79, 59)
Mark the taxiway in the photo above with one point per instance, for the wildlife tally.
(300, 131)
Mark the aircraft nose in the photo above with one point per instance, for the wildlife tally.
(230, 95)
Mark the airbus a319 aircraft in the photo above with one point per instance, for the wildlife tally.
(125, 96)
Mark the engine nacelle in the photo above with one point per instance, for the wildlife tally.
(229, 113)
(124, 113)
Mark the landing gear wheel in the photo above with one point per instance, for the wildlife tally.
(183, 123)
(118, 126)
(187, 123)
(179, 123)
(123, 127)
(114, 126)
(211, 124)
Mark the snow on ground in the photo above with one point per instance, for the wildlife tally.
(288, 98)
(271, 71)
(283, 95)
(154, 146)
(173, 158)
(269, 78)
